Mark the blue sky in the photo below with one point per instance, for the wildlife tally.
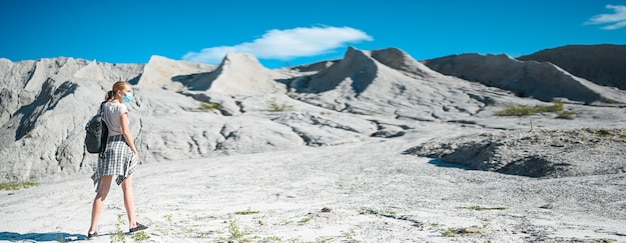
(281, 32)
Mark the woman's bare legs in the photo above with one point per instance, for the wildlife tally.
(129, 201)
(98, 201)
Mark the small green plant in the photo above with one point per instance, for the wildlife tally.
(141, 235)
(374, 212)
(601, 240)
(622, 136)
(17, 185)
(349, 235)
(555, 107)
(170, 222)
(485, 223)
(205, 234)
(249, 211)
(211, 106)
(516, 111)
(603, 133)
(323, 239)
(274, 106)
(610, 101)
(233, 228)
(272, 239)
(481, 208)
(168, 218)
(450, 232)
(565, 114)
(119, 235)
(306, 220)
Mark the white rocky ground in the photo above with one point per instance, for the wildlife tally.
(280, 145)
(375, 193)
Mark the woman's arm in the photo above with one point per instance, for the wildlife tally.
(127, 136)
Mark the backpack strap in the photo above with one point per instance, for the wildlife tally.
(101, 110)
(105, 131)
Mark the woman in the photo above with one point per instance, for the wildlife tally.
(121, 157)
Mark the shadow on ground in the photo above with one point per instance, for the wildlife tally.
(35, 237)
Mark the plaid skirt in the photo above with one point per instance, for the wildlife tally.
(119, 160)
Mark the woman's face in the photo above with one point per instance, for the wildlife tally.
(121, 93)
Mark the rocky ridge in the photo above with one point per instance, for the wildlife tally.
(186, 110)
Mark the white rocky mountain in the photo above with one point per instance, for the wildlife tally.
(190, 110)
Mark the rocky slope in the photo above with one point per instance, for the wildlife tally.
(540, 80)
(539, 154)
(604, 64)
(186, 110)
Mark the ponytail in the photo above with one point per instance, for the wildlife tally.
(109, 95)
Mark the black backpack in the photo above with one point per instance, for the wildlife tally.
(96, 133)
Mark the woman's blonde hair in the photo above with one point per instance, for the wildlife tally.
(119, 85)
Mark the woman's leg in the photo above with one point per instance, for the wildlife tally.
(98, 201)
(129, 201)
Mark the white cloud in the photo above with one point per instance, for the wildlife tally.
(615, 20)
(286, 44)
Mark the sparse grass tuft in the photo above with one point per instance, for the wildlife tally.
(272, 239)
(556, 107)
(450, 232)
(274, 106)
(601, 132)
(374, 212)
(118, 235)
(140, 236)
(247, 212)
(516, 111)
(565, 114)
(349, 235)
(17, 185)
(604, 240)
(204, 106)
(306, 220)
(323, 239)
(233, 228)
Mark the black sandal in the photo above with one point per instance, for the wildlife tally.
(138, 228)
(91, 235)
